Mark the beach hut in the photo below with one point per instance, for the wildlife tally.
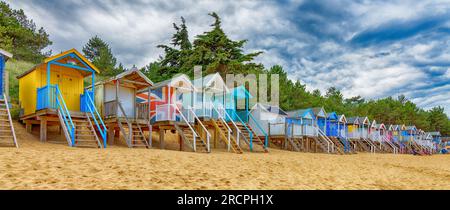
(123, 112)
(320, 119)
(213, 92)
(245, 120)
(303, 133)
(436, 135)
(342, 126)
(410, 133)
(300, 123)
(358, 134)
(52, 94)
(7, 133)
(332, 124)
(270, 118)
(171, 103)
(353, 127)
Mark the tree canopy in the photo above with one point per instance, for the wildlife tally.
(100, 54)
(19, 35)
(212, 50)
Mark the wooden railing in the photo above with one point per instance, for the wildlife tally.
(142, 111)
(110, 109)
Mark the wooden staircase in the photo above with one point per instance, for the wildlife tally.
(338, 145)
(362, 145)
(7, 133)
(188, 138)
(370, 145)
(85, 135)
(133, 135)
(256, 140)
(222, 129)
(296, 143)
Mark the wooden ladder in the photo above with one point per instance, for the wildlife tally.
(223, 134)
(7, 132)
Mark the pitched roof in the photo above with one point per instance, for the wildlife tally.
(74, 51)
(317, 110)
(209, 80)
(270, 108)
(342, 118)
(132, 75)
(353, 120)
(60, 55)
(435, 133)
(300, 113)
(175, 82)
(332, 116)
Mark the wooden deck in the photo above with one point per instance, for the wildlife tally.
(45, 118)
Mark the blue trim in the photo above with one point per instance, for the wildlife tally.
(233, 112)
(266, 141)
(71, 66)
(88, 105)
(2, 68)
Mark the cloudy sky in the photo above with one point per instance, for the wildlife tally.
(373, 49)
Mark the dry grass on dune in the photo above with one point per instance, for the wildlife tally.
(51, 166)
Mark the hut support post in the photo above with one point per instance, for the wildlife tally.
(93, 86)
(111, 134)
(43, 131)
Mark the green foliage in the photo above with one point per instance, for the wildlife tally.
(212, 50)
(19, 35)
(100, 54)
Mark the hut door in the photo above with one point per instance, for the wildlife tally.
(70, 91)
(126, 97)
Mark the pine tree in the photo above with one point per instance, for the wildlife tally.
(100, 54)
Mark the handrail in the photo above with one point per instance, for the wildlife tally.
(245, 126)
(189, 125)
(63, 109)
(385, 139)
(226, 124)
(261, 129)
(329, 142)
(208, 135)
(239, 132)
(10, 120)
(130, 128)
(103, 131)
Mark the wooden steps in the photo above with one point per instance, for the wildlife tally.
(7, 133)
(222, 129)
(188, 137)
(296, 143)
(134, 137)
(256, 141)
(85, 135)
(338, 145)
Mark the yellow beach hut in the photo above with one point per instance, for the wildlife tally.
(52, 94)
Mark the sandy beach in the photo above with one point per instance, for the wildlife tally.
(52, 166)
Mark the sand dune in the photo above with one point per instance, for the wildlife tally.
(51, 166)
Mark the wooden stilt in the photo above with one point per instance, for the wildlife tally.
(43, 131)
(161, 137)
(111, 134)
(180, 141)
(29, 127)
